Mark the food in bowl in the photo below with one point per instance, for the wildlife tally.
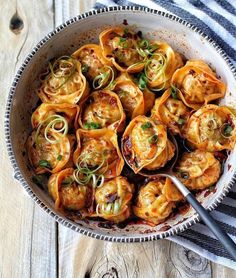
(132, 90)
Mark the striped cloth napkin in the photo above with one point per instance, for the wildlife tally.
(218, 20)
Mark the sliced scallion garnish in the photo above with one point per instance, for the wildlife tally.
(226, 130)
(181, 121)
(67, 181)
(174, 92)
(153, 139)
(56, 120)
(62, 69)
(55, 123)
(142, 83)
(92, 125)
(59, 157)
(146, 125)
(101, 80)
(84, 68)
(155, 67)
(45, 164)
(89, 175)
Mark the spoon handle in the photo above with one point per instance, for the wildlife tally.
(222, 236)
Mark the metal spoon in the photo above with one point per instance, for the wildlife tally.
(226, 241)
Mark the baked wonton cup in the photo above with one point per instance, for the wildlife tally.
(151, 204)
(119, 46)
(161, 65)
(95, 67)
(66, 193)
(46, 111)
(198, 169)
(212, 128)
(49, 157)
(134, 101)
(113, 199)
(197, 84)
(171, 111)
(99, 148)
(145, 144)
(63, 82)
(102, 109)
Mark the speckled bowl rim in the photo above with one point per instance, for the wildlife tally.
(17, 173)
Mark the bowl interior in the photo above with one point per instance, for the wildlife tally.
(65, 40)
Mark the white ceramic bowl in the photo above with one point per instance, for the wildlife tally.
(68, 37)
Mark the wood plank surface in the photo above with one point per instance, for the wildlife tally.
(27, 234)
(31, 243)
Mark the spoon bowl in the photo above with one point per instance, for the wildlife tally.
(167, 171)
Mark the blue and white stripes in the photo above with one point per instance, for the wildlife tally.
(217, 19)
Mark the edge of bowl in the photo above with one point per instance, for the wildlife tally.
(17, 173)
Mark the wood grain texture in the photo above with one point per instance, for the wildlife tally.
(80, 256)
(27, 234)
(30, 241)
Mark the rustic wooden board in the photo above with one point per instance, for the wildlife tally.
(27, 234)
(31, 243)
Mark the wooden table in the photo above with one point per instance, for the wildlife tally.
(32, 244)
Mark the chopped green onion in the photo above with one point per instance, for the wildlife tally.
(153, 47)
(63, 68)
(101, 80)
(173, 90)
(108, 208)
(122, 39)
(44, 163)
(181, 121)
(146, 125)
(67, 181)
(116, 206)
(142, 83)
(226, 130)
(59, 157)
(144, 44)
(56, 120)
(53, 121)
(153, 139)
(92, 125)
(100, 181)
(126, 31)
(84, 175)
(123, 42)
(85, 68)
(155, 66)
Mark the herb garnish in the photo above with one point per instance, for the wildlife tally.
(227, 129)
(181, 121)
(59, 157)
(67, 182)
(44, 163)
(146, 125)
(85, 68)
(142, 83)
(173, 90)
(153, 139)
(92, 125)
